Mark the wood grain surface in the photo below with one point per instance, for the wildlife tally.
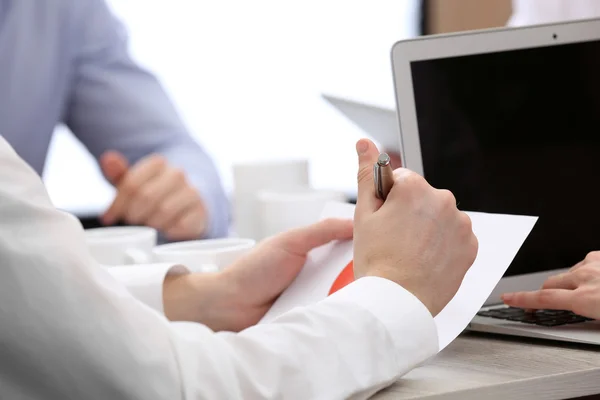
(479, 366)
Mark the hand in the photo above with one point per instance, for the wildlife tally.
(577, 290)
(239, 296)
(417, 238)
(154, 194)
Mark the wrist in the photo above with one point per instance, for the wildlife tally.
(197, 297)
(408, 283)
(175, 289)
(186, 296)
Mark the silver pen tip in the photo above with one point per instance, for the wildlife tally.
(383, 159)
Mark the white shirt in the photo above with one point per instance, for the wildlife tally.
(534, 12)
(71, 329)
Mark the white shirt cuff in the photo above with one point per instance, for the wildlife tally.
(145, 281)
(409, 323)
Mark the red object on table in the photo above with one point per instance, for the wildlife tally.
(344, 278)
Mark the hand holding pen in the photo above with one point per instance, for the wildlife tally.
(417, 239)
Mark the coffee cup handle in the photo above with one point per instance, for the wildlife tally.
(136, 256)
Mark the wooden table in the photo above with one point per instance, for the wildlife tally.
(486, 367)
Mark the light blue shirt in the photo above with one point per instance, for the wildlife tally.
(67, 61)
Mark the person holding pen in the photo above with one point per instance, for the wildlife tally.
(71, 329)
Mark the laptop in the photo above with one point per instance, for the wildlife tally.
(509, 121)
(380, 123)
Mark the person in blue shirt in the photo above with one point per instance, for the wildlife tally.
(67, 61)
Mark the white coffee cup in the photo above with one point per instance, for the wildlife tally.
(210, 255)
(251, 178)
(282, 210)
(121, 245)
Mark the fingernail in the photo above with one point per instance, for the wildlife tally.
(507, 297)
(361, 147)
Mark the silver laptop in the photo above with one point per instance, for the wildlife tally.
(509, 120)
(380, 123)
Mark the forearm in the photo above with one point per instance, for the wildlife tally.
(70, 330)
(115, 104)
(203, 298)
(108, 345)
(178, 294)
(336, 349)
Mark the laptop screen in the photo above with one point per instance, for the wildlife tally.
(518, 132)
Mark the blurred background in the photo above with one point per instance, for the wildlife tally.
(247, 78)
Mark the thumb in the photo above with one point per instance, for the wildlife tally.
(366, 202)
(114, 165)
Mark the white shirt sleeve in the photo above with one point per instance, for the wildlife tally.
(70, 330)
(145, 281)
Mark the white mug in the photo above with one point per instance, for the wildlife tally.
(210, 255)
(121, 245)
(250, 178)
(282, 210)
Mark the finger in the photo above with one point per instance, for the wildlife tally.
(142, 172)
(302, 240)
(578, 265)
(191, 225)
(562, 281)
(408, 184)
(545, 299)
(114, 166)
(173, 207)
(153, 193)
(591, 257)
(127, 188)
(366, 202)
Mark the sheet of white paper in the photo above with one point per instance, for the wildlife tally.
(320, 270)
(500, 238)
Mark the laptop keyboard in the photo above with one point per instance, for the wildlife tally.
(539, 317)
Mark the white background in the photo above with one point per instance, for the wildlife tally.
(247, 78)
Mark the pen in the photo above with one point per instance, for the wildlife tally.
(383, 176)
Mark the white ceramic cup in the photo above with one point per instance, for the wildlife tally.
(208, 255)
(121, 245)
(282, 210)
(251, 178)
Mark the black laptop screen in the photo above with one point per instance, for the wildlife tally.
(518, 132)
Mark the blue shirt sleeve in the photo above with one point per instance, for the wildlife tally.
(115, 104)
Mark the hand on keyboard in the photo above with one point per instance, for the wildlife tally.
(577, 290)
